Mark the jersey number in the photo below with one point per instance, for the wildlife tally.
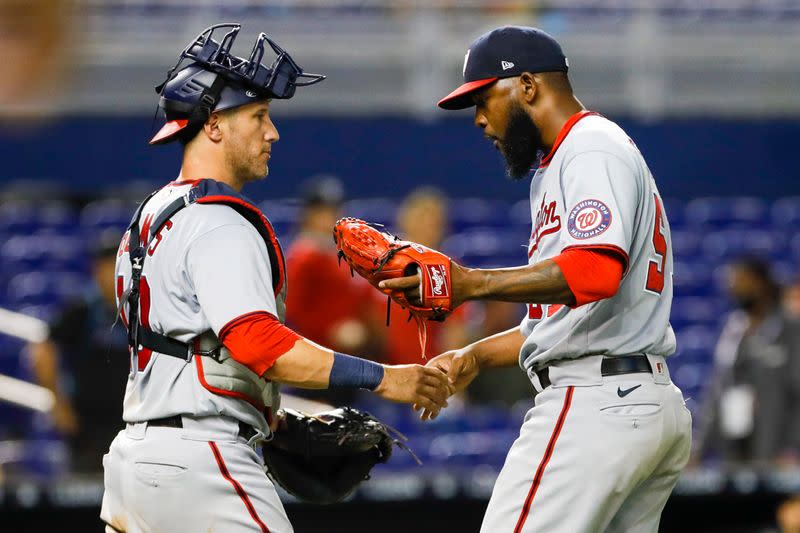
(536, 311)
(144, 316)
(655, 271)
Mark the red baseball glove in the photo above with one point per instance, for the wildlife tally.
(377, 255)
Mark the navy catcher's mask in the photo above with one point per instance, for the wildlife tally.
(216, 80)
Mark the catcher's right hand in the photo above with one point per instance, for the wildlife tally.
(423, 386)
(461, 367)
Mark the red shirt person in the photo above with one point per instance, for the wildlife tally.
(326, 304)
(422, 218)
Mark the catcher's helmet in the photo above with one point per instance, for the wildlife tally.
(218, 80)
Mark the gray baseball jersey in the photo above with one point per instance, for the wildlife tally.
(205, 268)
(597, 452)
(596, 191)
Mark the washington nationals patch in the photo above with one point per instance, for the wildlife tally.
(588, 219)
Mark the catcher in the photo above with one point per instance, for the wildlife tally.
(201, 287)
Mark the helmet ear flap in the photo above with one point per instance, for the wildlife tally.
(208, 100)
(194, 113)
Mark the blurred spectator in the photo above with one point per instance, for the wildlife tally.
(788, 515)
(85, 363)
(326, 304)
(34, 40)
(791, 300)
(753, 404)
(422, 218)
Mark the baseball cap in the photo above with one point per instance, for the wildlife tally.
(323, 189)
(504, 53)
(105, 244)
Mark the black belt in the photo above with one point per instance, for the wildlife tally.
(246, 431)
(611, 366)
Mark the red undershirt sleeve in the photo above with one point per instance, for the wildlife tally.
(591, 273)
(257, 339)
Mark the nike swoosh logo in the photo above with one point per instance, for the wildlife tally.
(622, 393)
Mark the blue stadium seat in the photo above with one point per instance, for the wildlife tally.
(472, 448)
(696, 344)
(44, 250)
(46, 311)
(786, 272)
(13, 419)
(281, 211)
(68, 251)
(676, 212)
(284, 215)
(9, 349)
(785, 213)
(42, 288)
(488, 418)
(58, 216)
(107, 213)
(520, 213)
(22, 248)
(419, 444)
(691, 377)
(693, 277)
(704, 310)
(794, 248)
(724, 245)
(18, 217)
(480, 243)
(718, 212)
(685, 243)
(466, 213)
(378, 210)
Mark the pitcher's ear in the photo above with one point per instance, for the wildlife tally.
(529, 87)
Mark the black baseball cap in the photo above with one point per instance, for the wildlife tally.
(323, 189)
(504, 53)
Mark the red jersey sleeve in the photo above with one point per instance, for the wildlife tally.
(591, 273)
(257, 339)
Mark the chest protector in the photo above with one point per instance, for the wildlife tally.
(217, 371)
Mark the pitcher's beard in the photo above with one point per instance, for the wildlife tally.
(523, 146)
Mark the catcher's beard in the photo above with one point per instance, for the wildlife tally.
(522, 146)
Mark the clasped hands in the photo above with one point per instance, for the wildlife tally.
(460, 366)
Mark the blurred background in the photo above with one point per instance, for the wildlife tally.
(708, 89)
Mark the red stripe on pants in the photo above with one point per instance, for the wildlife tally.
(239, 490)
(548, 453)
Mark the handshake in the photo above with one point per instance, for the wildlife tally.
(428, 387)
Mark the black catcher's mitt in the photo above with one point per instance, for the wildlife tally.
(322, 458)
